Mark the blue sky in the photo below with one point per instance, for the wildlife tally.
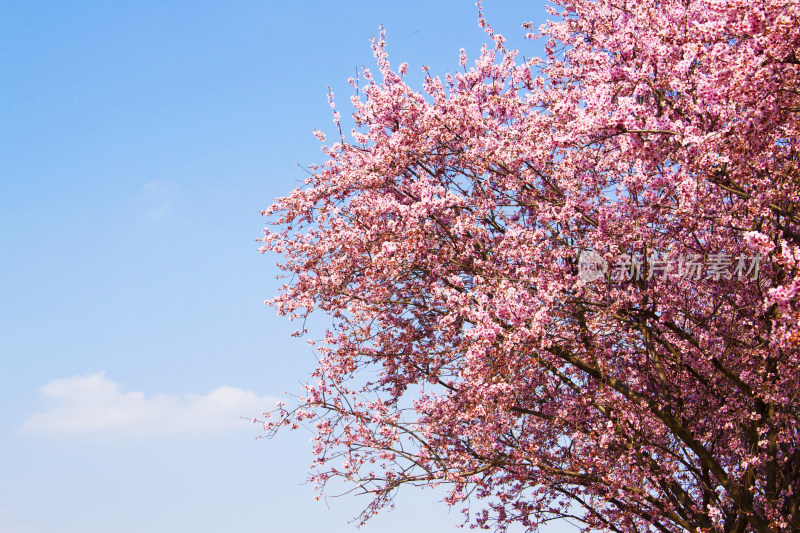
(139, 142)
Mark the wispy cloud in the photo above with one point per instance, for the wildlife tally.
(95, 404)
(155, 199)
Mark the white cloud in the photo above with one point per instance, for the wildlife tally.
(95, 404)
(155, 199)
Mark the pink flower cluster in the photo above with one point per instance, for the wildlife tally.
(467, 352)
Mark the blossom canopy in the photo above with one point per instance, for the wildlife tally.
(472, 346)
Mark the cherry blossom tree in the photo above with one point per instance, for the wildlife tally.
(565, 286)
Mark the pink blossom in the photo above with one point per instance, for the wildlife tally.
(443, 243)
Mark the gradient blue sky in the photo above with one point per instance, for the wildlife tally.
(139, 142)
